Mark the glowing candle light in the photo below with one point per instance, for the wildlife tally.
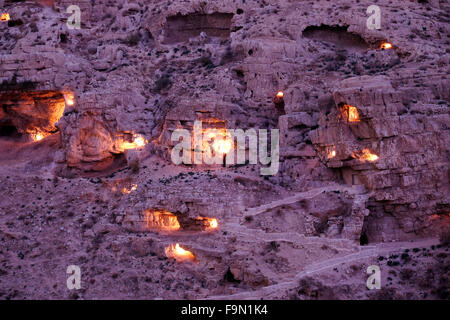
(70, 99)
(365, 155)
(386, 46)
(39, 136)
(138, 142)
(5, 17)
(332, 154)
(209, 223)
(179, 254)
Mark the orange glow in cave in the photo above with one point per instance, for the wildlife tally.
(138, 142)
(161, 220)
(350, 113)
(386, 46)
(210, 223)
(69, 98)
(331, 153)
(353, 115)
(176, 252)
(38, 136)
(129, 190)
(223, 145)
(365, 155)
(220, 140)
(5, 17)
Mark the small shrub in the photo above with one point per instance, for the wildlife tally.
(162, 83)
(133, 39)
(407, 274)
(206, 62)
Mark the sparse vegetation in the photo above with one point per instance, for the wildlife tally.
(162, 83)
(133, 39)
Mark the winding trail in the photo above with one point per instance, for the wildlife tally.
(364, 253)
(303, 196)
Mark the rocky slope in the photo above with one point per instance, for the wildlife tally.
(364, 138)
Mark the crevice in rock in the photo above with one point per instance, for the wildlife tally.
(230, 277)
(337, 35)
(363, 240)
(7, 130)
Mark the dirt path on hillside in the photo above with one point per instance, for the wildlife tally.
(364, 253)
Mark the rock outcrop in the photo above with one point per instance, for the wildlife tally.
(408, 142)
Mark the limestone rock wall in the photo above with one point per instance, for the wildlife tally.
(409, 181)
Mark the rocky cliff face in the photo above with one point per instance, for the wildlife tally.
(363, 130)
(150, 69)
(405, 137)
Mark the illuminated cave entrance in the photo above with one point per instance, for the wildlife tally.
(29, 116)
(165, 221)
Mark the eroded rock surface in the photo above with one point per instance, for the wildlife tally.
(364, 141)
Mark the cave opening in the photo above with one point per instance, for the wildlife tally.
(28, 115)
(180, 28)
(229, 276)
(9, 132)
(278, 100)
(363, 239)
(161, 220)
(336, 35)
